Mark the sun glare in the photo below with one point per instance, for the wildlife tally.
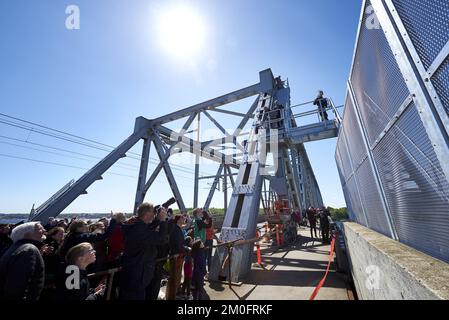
(181, 31)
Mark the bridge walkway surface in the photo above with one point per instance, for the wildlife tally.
(289, 273)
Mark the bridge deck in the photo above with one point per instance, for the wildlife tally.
(290, 274)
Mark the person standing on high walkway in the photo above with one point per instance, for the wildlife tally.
(312, 221)
(321, 102)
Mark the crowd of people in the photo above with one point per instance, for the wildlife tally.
(321, 215)
(53, 261)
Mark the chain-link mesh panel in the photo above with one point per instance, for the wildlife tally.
(344, 188)
(441, 83)
(371, 199)
(351, 214)
(416, 189)
(356, 204)
(354, 135)
(344, 155)
(427, 23)
(378, 83)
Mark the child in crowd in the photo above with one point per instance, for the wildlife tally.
(188, 271)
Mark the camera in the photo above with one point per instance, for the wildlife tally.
(165, 205)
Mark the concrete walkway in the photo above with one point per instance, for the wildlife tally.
(290, 273)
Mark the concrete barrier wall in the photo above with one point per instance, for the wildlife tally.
(384, 269)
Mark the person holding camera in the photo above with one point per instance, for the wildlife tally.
(142, 237)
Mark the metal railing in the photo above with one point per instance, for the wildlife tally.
(319, 112)
(229, 246)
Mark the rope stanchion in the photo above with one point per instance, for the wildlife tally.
(321, 283)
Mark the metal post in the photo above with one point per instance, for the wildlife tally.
(168, 172)
(140, 192)
(197, 167)
(212, 189)
(225, 189)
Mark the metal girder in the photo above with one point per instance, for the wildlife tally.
(189, 122)
(225, 189)
(265, 84)
(241, 217)
(230, 175)
(212, 177)
(197, 167)
(158, 169)
(232, 113)
(249, 115)
(168, 172)
(193, 146)
(140, 192)
(94, 174)
(215, 122)
(209, 105)
(212, 189)
(166, 156)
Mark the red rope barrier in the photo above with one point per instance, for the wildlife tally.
(318, 287)
(259, 256)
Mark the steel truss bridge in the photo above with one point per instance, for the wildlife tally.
(274, 132)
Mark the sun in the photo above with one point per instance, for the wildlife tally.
(181, 31)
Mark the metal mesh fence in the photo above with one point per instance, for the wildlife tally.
(427, 23)
(398, 187)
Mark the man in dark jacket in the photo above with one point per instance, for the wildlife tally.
(324, 225)
(22, 267)
(321, 103)
(312, 221)
(152, 291)
(140, 252)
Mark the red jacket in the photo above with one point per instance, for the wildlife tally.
(116, 243)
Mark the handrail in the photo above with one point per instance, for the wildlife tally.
(301, 104)
(334, 109)
(312, 112)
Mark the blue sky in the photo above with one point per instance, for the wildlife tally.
(95, 81)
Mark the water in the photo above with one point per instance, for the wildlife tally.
(13, 218)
